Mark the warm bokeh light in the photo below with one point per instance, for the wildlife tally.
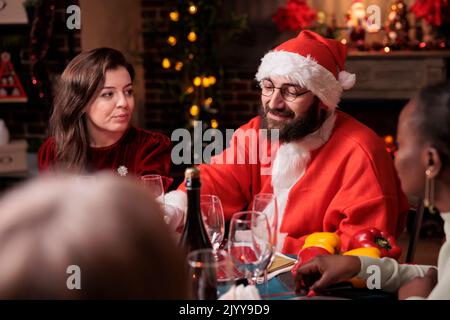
(214, 124)
(208, 101)
(205, 82)
(422, 45)
(192, 9)
(190, 90)
(172, 40)
(387, 49)
(388, 139)
(212, 80)
(197, 81)
(178, 65)
(174, 16)
(344, 41)
(166, 63)
(194, 110)
(192, 36)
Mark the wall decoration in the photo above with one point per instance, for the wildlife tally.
(11, 89)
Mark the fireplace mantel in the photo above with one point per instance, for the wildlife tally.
(394, 75)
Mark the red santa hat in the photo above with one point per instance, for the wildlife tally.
(312, 62)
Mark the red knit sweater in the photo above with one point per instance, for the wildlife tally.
(140, 151)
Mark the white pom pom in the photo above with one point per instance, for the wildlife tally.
(347, 80)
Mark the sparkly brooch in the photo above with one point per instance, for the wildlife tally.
(122, 171)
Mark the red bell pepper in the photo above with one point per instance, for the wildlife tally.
(306, 255)
(373, 237)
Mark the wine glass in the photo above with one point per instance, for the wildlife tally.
(210, 272)
(267, 203)
(249, 243)
(212, 213)
(153, 182)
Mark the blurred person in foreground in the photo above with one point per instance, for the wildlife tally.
(106, 226)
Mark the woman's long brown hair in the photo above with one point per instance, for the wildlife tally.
(80, 83)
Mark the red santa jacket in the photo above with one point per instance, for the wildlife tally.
(343, 180)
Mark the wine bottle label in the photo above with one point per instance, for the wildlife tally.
(192, 184)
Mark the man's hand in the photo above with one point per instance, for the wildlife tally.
(323, 271)
(419, 286)
(173, 217)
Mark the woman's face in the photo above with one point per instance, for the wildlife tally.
(411, 159)
(110, 112)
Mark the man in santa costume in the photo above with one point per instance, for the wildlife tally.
(330, 173)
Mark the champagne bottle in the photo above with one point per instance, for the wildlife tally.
(194, 234)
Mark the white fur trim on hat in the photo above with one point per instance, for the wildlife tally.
(347, 80)
(304, 71)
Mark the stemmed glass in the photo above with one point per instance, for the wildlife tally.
(249, 243)
(267, 203)
(153, 183)
(211, 273)
(212, 213)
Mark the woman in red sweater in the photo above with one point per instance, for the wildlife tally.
(90, 125)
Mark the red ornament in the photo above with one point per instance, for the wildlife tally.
(295, 16)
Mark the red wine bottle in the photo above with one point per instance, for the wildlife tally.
(194, 234)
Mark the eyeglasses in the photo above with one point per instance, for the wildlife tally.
(289, 92)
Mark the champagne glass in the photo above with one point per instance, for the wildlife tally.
(249, 243)
(212, 213)
(210, 272)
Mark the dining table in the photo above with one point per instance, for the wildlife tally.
(282, 287)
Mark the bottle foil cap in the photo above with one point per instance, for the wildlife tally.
(192, 172)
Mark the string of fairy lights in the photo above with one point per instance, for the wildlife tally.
(196, 82)
(41, 34)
